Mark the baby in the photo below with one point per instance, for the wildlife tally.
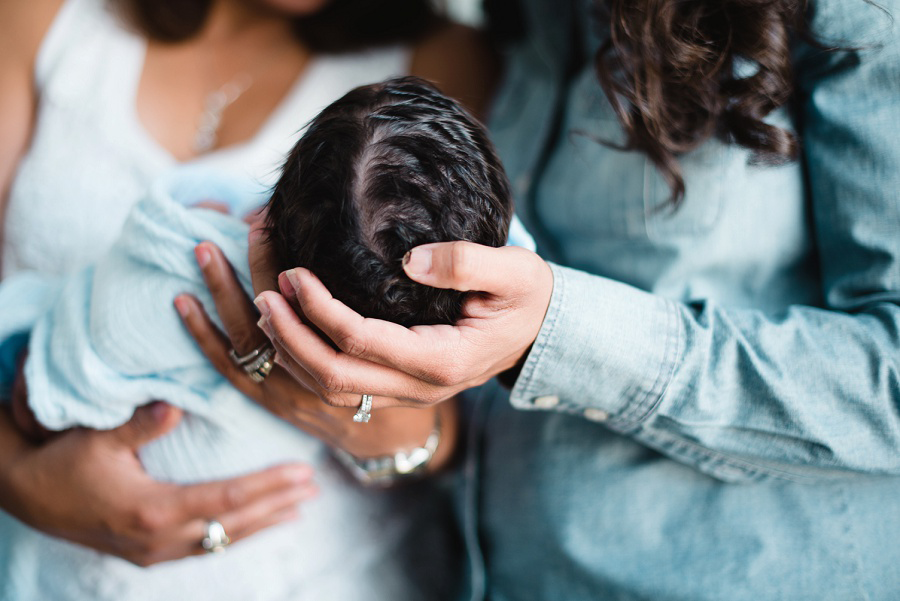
(384, 169)
(387, 167)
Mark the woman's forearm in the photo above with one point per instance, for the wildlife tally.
(401, 429)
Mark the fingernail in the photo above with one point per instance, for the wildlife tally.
(182, 306)
(299, 474)
(263, 324)
(159, 411)
(294, 278)
(203, 256)
(417, 261)
(262, 305)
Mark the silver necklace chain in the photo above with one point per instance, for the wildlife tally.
(214, 106)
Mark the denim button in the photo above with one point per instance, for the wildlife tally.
(548, 401)
(596, 415)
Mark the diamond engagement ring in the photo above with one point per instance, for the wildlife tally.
(258, 363)
(215, 540)
(363, 414)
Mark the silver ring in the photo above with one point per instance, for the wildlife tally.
(215, 540)
(258, 363)
(363, 414)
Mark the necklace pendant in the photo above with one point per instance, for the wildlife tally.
(207, 131)
(214, 106)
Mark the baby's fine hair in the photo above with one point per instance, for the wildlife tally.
(388, 167)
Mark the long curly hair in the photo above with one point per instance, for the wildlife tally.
(680, 72)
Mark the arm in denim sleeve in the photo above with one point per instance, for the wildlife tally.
(738, 393)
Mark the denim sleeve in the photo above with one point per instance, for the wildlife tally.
(743, 395)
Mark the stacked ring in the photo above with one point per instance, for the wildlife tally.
(258, 363)
(363, 414)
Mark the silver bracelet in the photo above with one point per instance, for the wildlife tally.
(388, 469)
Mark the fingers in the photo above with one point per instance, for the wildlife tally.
(263, 266)
(213, 344)
(467, 266)
(265, 512)
(211, 499)
(338, 378)
(375, 340)
(148, 423)
(214, 205)
(176, 524)
(268, 511)
(235, 309)
(22, 415)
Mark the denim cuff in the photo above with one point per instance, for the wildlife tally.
(606, 351)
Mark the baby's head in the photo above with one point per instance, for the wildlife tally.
(388, 167)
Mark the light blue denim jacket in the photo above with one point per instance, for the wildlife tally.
(712, 407)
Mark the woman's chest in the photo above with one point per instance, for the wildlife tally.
(70, 195)
(740, 231)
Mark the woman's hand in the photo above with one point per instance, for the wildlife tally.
(421, 365)
(22, 416)
(89, 487)
(289, 398)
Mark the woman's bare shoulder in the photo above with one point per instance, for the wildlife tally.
(23, 26)
(461, 61)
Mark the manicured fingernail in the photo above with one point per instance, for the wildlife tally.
(262, 305)
(160, 411)
(417, 261)
(203, 256)
(182, 306)
(294, 278)
(263, 324)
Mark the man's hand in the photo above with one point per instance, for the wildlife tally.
(416, 366)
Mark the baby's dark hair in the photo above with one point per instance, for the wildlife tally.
(386, 168)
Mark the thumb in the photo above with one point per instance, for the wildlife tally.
(466, 266)
(148, 422)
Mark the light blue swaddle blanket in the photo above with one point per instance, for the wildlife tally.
(113, 340)
(143, 247)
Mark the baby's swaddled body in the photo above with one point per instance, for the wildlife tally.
(113, 341)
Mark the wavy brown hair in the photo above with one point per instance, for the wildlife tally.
(680, 72)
